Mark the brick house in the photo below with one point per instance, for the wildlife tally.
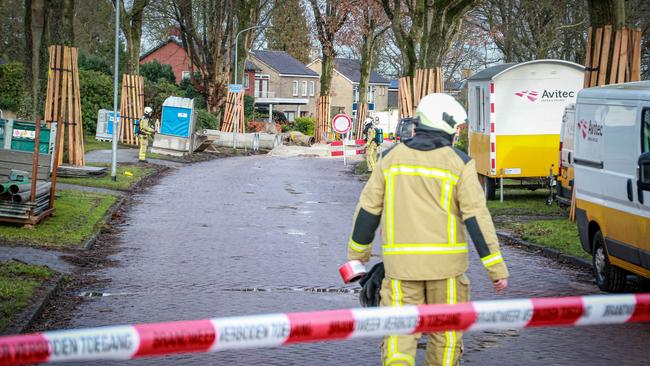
(284, 84)
(172, 53)
(345, 83)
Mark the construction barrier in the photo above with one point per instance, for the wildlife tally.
(339, 151)
(272, 330)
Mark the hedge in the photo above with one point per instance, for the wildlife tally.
(11, 86)
(305, 125)
(96, 90)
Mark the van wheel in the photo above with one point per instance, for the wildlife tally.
(489, 187)
(608, 277)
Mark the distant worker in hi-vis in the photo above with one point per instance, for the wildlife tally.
(370, 133)
(426, 193)
(145, 128)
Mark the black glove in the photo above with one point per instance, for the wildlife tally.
(371, 285)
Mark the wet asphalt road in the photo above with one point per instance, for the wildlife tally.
(197, 242)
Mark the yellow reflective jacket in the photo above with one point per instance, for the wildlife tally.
(145, 127)
(426, 194)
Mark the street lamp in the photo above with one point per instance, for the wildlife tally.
(234, 131)
(115, 73)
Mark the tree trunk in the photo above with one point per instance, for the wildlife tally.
(607, 12)
(366, 64)
(61, 22)
(327, 71)
(131, 25)
(35, 55)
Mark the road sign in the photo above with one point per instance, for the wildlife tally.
(341, 123)
(235, 88)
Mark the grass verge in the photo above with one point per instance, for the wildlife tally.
(127, 177)
(361, 170)
(77, 216)
(91, 144)
(18, 284)
(524, 203)
(558, 234)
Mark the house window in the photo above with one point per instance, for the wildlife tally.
(247, 81)
(355, 94)
(261, 86)
(312, 88)
(185, 75)
(304, 88)
(295, 88)
(291, 116)
(371, 94)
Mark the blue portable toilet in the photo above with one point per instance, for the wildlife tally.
(177, 117)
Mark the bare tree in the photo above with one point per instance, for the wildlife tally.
(208, 29)
(35, 22)
(424, 30)
(329, 16)
(534, 29)
(131, 25)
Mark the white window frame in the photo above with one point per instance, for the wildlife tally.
(185, 75)
(295, 88)
(247, 81)
(312, 88)
(304, 88)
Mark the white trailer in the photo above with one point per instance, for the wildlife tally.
(515, 116)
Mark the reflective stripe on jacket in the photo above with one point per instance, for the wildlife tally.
(425, 200)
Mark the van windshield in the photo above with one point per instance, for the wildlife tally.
(645, 131)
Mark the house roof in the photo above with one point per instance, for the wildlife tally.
(283, 63)
(161, 45)
(351, 69)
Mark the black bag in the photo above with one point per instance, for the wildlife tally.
(371, 285)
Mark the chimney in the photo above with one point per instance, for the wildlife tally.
(174, 32)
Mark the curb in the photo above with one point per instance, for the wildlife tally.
(547, 252)
(35, 309)
(107, 219)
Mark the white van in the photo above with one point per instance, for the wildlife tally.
(612, 180)
(565, 158)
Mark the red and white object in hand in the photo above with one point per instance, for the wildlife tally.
(352, 271)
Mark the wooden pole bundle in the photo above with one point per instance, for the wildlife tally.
(323, 125)
(131, 107)
(412, 89)
(362, 114)
(234, 101)
(612, 56)
(63, 102)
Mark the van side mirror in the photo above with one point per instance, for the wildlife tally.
(644, 172)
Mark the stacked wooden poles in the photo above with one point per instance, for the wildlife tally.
(412, 89)
(323, 124)
(131, 107)
(234, 102)
(63, 103)
(612, 56)
(362, 114)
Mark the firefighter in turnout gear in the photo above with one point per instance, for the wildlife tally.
(145, 129)
(371, 144)
(426, 193)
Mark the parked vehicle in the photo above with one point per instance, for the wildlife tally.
(565, 162)
(612, 180)
(515, 113)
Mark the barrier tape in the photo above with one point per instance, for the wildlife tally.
(272, 330)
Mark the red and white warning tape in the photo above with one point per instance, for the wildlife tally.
(210, 335)
(349, 152)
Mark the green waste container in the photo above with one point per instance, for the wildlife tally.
(23, 136)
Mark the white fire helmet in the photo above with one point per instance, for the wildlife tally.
(442, 112)
(147, 111)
